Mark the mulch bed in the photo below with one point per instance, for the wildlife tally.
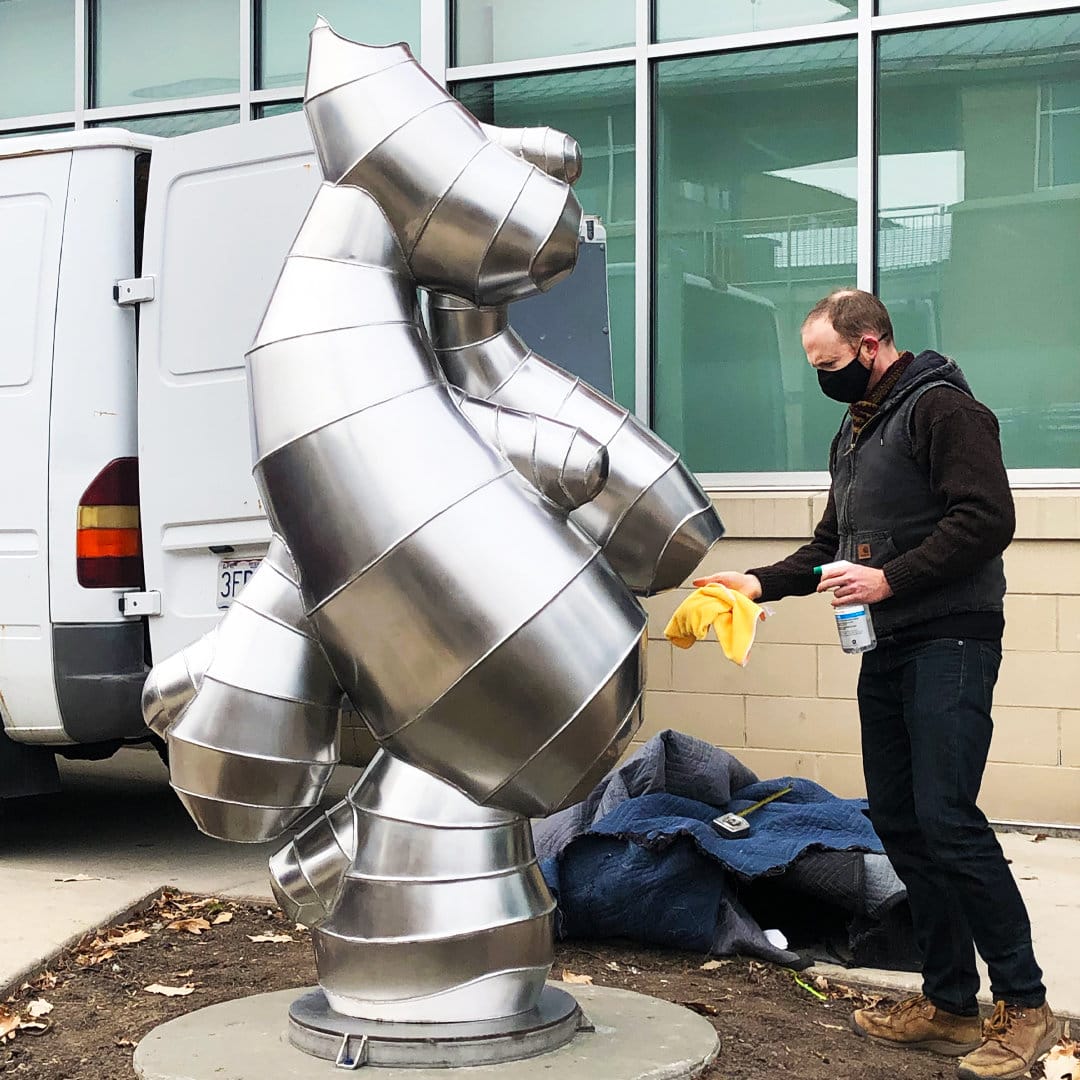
(82, 1016)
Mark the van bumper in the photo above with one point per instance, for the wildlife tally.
(99, 670)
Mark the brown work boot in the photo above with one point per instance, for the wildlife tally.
(1014, 1038)
(918, 1024)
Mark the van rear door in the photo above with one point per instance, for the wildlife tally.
(33, 194)
(223, 207)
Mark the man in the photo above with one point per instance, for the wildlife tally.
(920, 504)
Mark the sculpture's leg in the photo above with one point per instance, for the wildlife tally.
(250, 712)
(442, 915)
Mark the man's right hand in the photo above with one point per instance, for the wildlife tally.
(747, 584)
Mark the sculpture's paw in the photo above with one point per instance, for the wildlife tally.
(552, 151)
(307, 872)
(564, 464)
(174, 682)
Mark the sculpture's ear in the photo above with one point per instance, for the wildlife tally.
(552, 151)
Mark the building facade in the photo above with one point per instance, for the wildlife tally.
(745, 157)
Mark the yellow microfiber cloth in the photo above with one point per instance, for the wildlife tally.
(733, 616)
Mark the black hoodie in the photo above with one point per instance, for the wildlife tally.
(942, 558)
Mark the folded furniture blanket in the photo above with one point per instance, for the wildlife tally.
(639, 859)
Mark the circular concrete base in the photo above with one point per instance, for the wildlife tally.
(634, 1038)
(350, 1042)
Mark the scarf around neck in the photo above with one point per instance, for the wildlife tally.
(862, 412)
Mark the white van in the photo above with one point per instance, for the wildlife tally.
(133, 274)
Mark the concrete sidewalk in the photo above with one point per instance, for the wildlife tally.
(118, 823)
(118, 827)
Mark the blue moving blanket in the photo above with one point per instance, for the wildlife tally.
(638, 858)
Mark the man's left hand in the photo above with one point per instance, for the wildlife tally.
(855, 585)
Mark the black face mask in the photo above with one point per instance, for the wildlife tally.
(846, 384)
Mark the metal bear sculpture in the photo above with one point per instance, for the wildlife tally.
(460, 528)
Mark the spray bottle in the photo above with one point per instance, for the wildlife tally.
(853, 622)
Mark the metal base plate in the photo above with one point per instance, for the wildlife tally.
(351, 1042)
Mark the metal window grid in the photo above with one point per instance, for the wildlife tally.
(435, 52)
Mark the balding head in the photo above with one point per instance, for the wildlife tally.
(853, 314)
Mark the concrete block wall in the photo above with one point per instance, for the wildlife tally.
(792, 710)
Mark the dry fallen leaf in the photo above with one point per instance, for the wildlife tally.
(123, 1042)
(190, 926)
(184, 974)
(39, 1007)
(94, 958)
(275, 938)
(570, 977)
(129, 937)
(9, 1023)
(169, 991)
(711, 965)
(831, 1027)
(222, 917)
(1038, 838)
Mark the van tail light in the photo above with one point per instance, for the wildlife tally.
(108, 544)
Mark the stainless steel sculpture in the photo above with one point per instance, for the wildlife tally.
(459, 532)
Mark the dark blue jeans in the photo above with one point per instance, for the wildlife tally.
(926, 727)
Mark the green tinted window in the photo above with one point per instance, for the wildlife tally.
(596, 107)
(176, 123)
(755, 219)
(281, 109)
(677, 19)
(283, 27)
(37, 57)
(34, 131)
(979, 195)
(891, 7)
(156, 50)
(496, 30)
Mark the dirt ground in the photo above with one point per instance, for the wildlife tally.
(81, 1018)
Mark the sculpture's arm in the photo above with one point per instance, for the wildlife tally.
(652, 519)
(250, 712)
(566, 465)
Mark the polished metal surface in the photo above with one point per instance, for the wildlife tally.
(250, 713)
(452, 556)
(353, 1043)
(452, 886)
(462, 635)
(472, 218)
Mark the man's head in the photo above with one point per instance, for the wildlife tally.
(848, 339)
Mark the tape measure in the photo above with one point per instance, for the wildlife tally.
(731, 826)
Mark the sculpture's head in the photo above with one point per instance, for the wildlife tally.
(474, 218)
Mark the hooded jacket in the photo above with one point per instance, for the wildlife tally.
(922, 494)
(886, 504)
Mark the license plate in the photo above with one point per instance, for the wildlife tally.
(233, 575)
